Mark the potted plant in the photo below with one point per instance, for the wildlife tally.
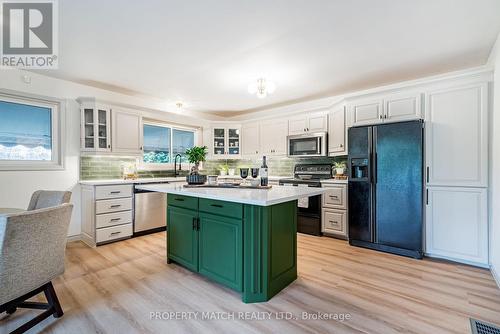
(195, 155)
(224, 169)
(339, 167)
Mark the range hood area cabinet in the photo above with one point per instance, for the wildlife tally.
(312, 123)
(397, 107)
(108, 130)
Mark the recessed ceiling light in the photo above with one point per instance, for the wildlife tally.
(261, 88)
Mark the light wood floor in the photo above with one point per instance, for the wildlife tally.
(113, 289)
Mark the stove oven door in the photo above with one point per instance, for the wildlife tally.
(308, 213)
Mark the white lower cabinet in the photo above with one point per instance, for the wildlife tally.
(457, 224)
(334, 211)
(334, 222)
(107, 213)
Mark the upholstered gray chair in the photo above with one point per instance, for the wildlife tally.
(32, 247)
(47, 198)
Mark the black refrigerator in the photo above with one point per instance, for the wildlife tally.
(386, 183)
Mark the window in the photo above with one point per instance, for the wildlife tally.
(162, 143)
(29, 133)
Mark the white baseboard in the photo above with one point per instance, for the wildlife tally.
(76, 237)
(470, 263)
(496, 275)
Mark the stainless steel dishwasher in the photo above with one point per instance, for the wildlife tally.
(150, 211)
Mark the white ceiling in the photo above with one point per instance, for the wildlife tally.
(206, 52)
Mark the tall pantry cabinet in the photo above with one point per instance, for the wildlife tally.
(456, 158)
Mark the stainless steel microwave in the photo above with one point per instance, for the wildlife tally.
(308, 145)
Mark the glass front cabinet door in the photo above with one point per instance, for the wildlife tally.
(219, 149)
(95, 128)
(233, 136)
(226, 142)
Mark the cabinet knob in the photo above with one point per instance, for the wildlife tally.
(341, 145)
(385, 116)
(109, 146)
(380, 116)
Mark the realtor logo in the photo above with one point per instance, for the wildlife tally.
(29, 34)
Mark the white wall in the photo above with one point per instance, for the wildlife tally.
(16, 187)
(495, 166)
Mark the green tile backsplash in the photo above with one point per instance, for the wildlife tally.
(110, 167)
(278, 166)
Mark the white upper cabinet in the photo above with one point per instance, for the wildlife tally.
(226, 142)
(457, 136)
(402, 107)
(386, 108)
(95, 127)
(126, 132)
(318, 123)
(297, 125)
(273, 135)
(337, 138)
(308, 123)
(366, 112)
(457, 224)
(250, 138)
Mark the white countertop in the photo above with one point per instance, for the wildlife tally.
(158, 179)
(334, 181)
(140, 180)
(272, 178)
(261, 197)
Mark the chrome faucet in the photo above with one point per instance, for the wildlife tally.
(176, 172)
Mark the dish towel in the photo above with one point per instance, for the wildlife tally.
(303, 202)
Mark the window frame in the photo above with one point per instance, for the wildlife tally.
(57, 109)
(152, 166)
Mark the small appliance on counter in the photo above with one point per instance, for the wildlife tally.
(129, 171)
(309, 208)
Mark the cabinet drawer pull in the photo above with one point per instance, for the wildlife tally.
(179, 199)
(217, 205)
(115, 219)
(115, 233)
(115, 206)
(333, 196)
(114, 192)
(333, 222)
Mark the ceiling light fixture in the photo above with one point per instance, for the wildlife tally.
(261, 88)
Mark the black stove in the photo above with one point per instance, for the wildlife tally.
(309, 174)
(309, 209)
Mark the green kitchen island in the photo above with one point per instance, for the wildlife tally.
(245, 239)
